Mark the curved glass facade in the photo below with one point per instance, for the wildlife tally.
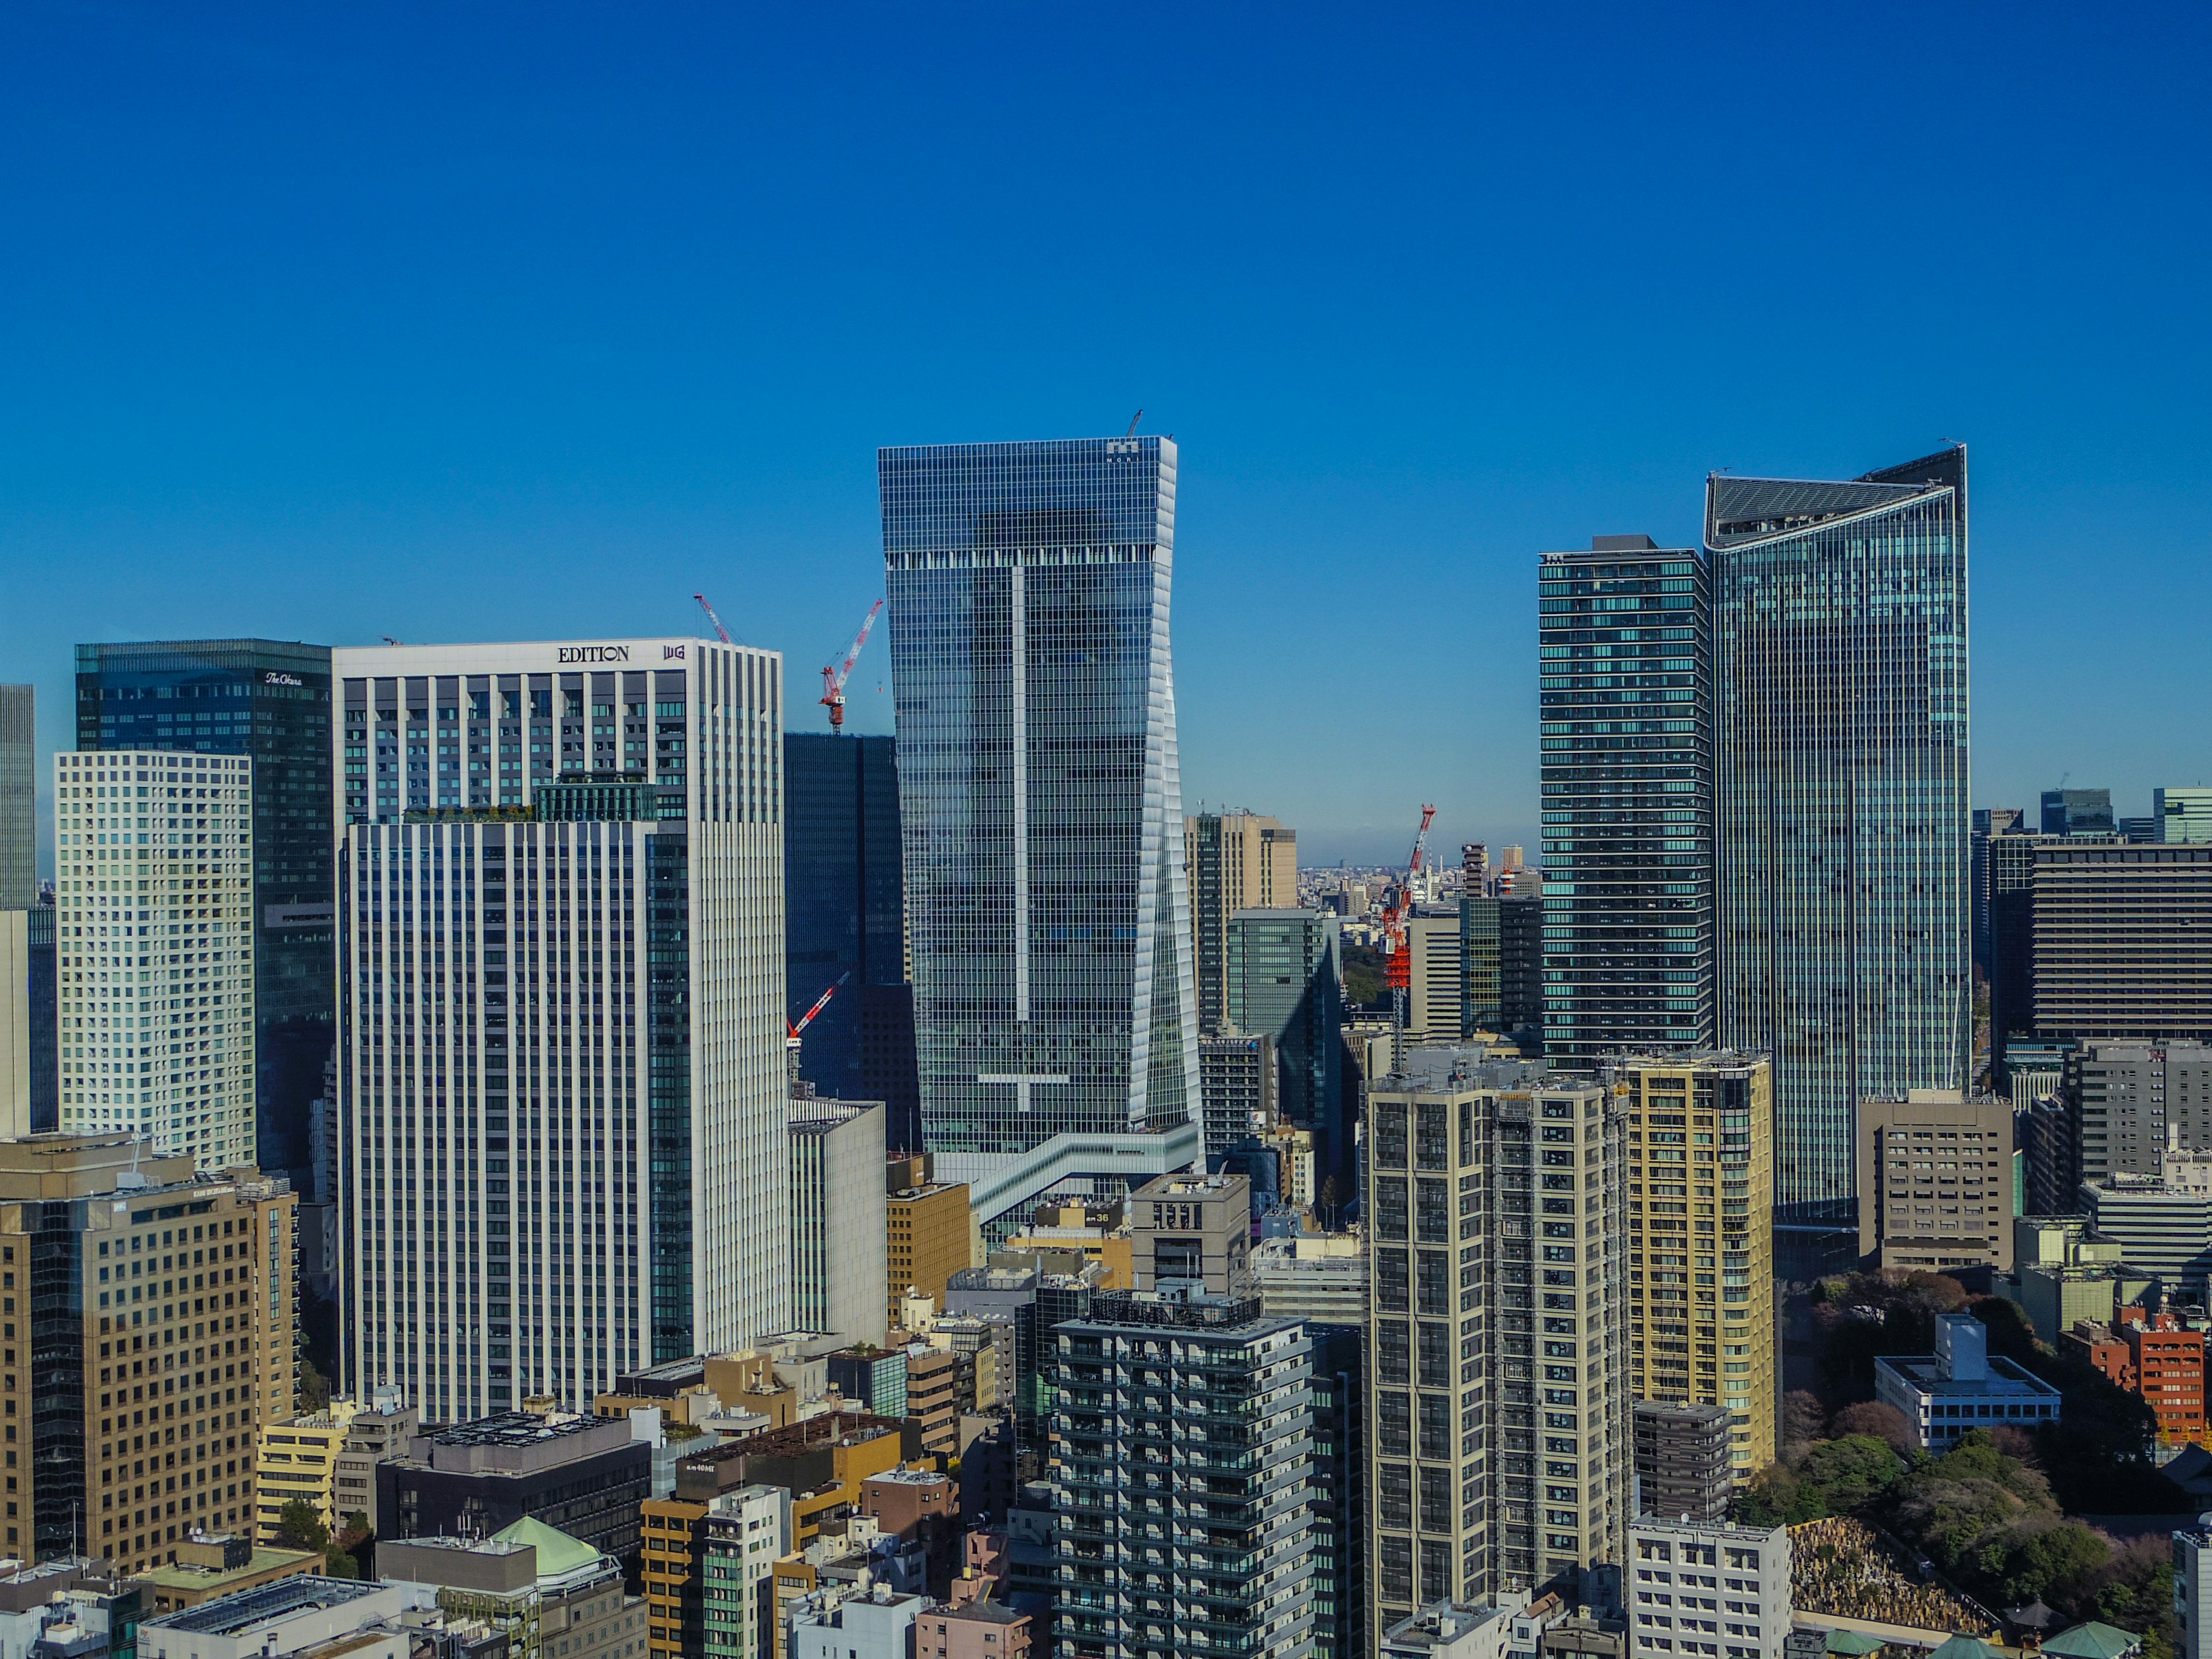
(1842, 838)
(1040, 796)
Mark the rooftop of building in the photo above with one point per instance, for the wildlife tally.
(1186, 1186)
(236, 1613)
(1658, 1526)
(904, 1476)
(980, 1612)
(1443, 1622)
(185, 1575)
(1924, 1373)
(516, 1429)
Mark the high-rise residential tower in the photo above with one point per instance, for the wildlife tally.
(1041, 799)
(844, 904)
(561, 1086)
(1625, 635)
(1236, 861)
(269, 700)
(154, 907)
(1839, 675)
(19, 826)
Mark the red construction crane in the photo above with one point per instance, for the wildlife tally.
(820, 1003)
(1399, 966)
(715, 619)
(833, 679)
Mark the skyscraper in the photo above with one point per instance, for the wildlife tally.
(1625, 635)
(270, 700)
(562, 979)
(844, 902)
(1236, 861)
(153, 903)
(1041, 799)
(1989, 823)
(2182, 814)
(1840, 672)
(1284, 970)
(19, 827)
(2078, 812)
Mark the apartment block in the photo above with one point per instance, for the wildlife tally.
(1237, 1084)
(1935, 1181)
(1709, 1588)
(1701, 1239)
(1685, 1461)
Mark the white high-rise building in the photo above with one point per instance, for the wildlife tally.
(154, 878)
(561, 1078)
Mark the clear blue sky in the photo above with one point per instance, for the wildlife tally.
(465, 322)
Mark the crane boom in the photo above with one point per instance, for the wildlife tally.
(715, 619)
(820, 1003)
(1399, 964)
(833, 679)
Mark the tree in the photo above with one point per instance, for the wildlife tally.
(299, 1526)
(314, 1389)
(1850, 1473)
(1802, 1421)
(1872, 1418)
(2060, 1563)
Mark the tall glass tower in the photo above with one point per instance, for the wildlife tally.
(1040, 803)
(1625, 633)
(1842, 846)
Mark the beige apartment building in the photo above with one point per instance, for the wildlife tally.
(1935, 1173)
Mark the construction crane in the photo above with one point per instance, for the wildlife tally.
(833, 679)
(791, 1042)
(715, 619)
(1399, 967)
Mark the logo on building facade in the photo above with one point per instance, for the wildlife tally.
(594, 654)
(281, 679)
(668, 651)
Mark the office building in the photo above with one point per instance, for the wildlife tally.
(1701, 1239)
(267, 702)
(302, 1613)
(1989, 823)
(929, 1231)
(973, 1630)
(547, 1593)
(1625, 643)
(1436, 998)
(1042, 800)
(1935, 1181)
(1842, 857)
(154, 862)
(2154, 1357)
(28, 1012)
(1498, 1386)
(117, 1328)
(297, 1459)
(1708, 1588)
(1501, 967)
(1188, 1229)
(19, 824)
(839, 1268)
(2122, 940)
(1961, 1387)
(2162, 1224)
(584, 1475)
(1141, 1372)
(566, 976)
(2050, 1140)
(2012, 941)
(2122, 1101)
(1686, 1466)
(872, 1379)
(1236, 861)
(1236, 1082)
(1318, 1277)
(746, 1533)
(2063, 1274)
(381, 1429)
(2181, 815)
(1286, 982)
(2078, 812)
(844, 900)
(875, 1624)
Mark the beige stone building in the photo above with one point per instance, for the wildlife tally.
(168, 1338)
(1935, 1181)
(1701, 1239)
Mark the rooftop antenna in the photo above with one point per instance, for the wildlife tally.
(1133, 419)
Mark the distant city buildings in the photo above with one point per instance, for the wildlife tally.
(18, 805)
(2078, 812)
(1236, 861)
(2181, 814)
(1842, 834)
(1626, 637)
(1041, 799)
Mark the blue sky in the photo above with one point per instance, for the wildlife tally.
(523, 322)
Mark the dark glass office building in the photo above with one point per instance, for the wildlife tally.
(1624, 639)
(844, 904)
(1840, 672)
(269, 699)
(1040, 801)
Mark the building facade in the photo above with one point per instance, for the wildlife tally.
(153, 856)
(1708, 1588)
(1989, 822)
(2123, 1104)
(1625, 635)
(1839, 664)
(1173, 1405)
(563, 1087)
(839, 1268)
(2078, 812)
(844, 901)
(1236, 861)
(1935, 1181)
(2181, 814)
(1041, 799)
(2122, 940)
(1701, 1240)
(19, 801)
(1499, 1399)
(747, 1532)
(1236, 1082)
(1685, 1463)
(584, 1476)
(1436, 1000)
(1286, 982)
(267, 701)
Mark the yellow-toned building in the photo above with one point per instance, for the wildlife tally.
(300, 1459)
(1701, 1238)
(929, 1235)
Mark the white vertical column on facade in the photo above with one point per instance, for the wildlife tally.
(1020, 673)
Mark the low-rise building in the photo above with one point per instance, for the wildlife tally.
(206, 1566)
(66, 1609)
(972, 1630)
(551, 1595)
(377, 1431)
(1707, 1588)
(877, 1625)
(2155, 1357)
(1318, 1276)
(1960, 1388)
(820, 1460)
(299, 1460)
(2063, 1274)
(1448, 1629)
(283, 1618)
(679, 1537)
(584, 1476)
(2162, 1222)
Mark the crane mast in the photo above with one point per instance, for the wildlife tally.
(1399, 965)
(833, 679)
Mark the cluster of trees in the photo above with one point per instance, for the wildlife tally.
(299, 1526)
(1993, 1512)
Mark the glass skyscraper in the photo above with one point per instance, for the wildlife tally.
(269, 699)
(1626, 638)
(1041, 802)
(1839, 653)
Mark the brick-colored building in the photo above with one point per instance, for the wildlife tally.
(2154, 1356)
(975, 1630)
